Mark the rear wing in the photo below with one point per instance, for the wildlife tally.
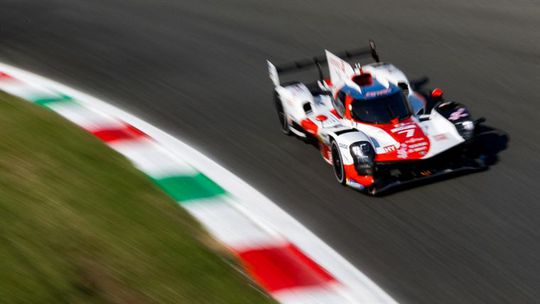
(274, 71)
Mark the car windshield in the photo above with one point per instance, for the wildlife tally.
(381, 110)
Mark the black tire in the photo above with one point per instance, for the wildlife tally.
(337, 164)
(283, 122)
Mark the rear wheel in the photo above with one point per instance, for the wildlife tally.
(337, 163)
(284, 123)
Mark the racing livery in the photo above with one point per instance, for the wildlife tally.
(371, 126)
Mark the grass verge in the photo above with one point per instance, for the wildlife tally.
(80, 225)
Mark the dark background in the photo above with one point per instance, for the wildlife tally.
(197, 69)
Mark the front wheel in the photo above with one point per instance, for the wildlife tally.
(337, 163)
(284, 123)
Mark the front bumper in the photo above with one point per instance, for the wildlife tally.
(391, 176)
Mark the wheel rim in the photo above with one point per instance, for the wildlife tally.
(336, 160)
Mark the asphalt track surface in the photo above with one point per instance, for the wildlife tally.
(197, 69)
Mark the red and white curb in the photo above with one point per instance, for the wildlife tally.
(284, 257)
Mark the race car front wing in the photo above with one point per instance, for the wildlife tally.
(391, 176)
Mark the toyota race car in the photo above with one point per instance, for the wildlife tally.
(371, 126)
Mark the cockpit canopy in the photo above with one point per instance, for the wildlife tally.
(381, 109)
(375, 104)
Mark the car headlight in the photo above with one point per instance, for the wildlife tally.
(363, 155)
(465, 129)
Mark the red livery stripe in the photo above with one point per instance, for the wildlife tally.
(5, 76)
(127, 133)
(309, 126)
(413, 142)
(365, 180)
(283, 267)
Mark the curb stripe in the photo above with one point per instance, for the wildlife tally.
(284, 267)
(45, 101)
(224, 221)
(184, 188)
(126, 133)
(5, 76)
(149, 157)
(87, 119)
(310, 295)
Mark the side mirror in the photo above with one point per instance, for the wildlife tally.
(479, 121)
(437, 93)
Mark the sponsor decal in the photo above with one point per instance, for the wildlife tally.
(414, 146)
(402, 151)
(439, 137)
(401, 127)
(407, 132)
(390, 148)
(407, 129)
(377, 93)
(406, 149)
(412, 143)
(414, 140)
(459, 113)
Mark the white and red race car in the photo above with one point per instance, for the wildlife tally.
(370, 124)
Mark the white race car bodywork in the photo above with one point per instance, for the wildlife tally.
(296, 96)
(312, 113)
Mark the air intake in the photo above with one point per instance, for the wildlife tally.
(363, 79)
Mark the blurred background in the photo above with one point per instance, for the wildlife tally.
(197, 69)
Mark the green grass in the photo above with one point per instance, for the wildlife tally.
(80, 225)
